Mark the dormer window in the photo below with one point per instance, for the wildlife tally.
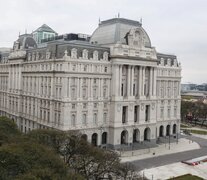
(74, 53)
(33, 56)
(95, 55)
(37, 56)
(29, 57)
(85, 54)
(105, 56)
(48, 54)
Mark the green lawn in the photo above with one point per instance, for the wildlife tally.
(184, 126)
(198, 132)
(187, 177)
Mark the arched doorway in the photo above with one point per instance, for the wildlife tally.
(104, 138)
(136, 135)
(161, 131)
(174, 128)
(168, 130)
(84, 137)
(124, 137)
(94, 139)
(147, 134)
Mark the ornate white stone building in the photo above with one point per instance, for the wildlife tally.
(116, 89)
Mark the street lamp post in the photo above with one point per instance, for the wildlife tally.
(177, 137)
(169, 141)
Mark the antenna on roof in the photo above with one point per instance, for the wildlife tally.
(118, 15)
(19, 33)
(141, 20)
(99, 20)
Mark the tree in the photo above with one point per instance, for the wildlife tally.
(28, 158)
(8, 130)
(83, 158)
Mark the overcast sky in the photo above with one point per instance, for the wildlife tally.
(175, 26)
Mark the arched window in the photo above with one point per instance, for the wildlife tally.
(104, 138)
(147, 134)
(124, 137)
(94, 139)
(174, 129)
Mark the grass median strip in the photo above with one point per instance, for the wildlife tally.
(198, 132)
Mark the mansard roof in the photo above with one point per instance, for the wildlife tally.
(115, 30)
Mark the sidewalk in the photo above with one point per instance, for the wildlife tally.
(174, 170)
(163, 149)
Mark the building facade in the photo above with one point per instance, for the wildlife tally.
(115, 89)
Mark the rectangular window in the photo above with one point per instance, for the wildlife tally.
(104, 118)
(122, 89)
(124, 114)
(84, 105)
(168, 113)
(136, 113)
(95, 119)
(133, 89)
(147, 113)
(73, 120)
(84, 119)
(161, 113)
(175, 112)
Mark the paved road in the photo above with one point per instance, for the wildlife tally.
(172, 158)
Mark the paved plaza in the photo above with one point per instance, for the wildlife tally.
(182, 145)
(174, 170)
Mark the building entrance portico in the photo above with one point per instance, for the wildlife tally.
(136, 135)
(147, 133)
(161, 131)
(168, 130)
(124, 137)
(94, 140)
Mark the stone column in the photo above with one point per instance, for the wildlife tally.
(120, 79)
(151, 81)
(155, 82)
(101, 88)
(143, 80)
(81, 89)
(64, 87)
(132, 80)
(78, 87)
(20, 78)
(140, 82)
(128, 80)
(89, 87)
(68, 87)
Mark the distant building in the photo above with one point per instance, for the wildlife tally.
(188, 87)
(116, 88)
(4, 53)
(43, 32)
